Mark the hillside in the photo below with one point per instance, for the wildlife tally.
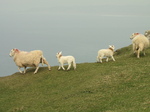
(121, 86)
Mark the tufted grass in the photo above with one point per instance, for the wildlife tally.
(121, 86)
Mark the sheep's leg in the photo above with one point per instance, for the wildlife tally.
(24, 70)
(144, 52)
(36, 69)
(59, 67)
(19, 69)
(62, 67)
(49, 67)
(113, 58)
(69, 65)
(107, 59)
(100, 59)
(45, 62)
(138, 53)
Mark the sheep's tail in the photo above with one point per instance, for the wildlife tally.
(74, 64)
(43, 61)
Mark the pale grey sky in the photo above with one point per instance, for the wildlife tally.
(76, 27)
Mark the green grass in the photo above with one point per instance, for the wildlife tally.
(121, 86)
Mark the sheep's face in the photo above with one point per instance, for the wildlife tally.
(111, 47)
(59, 54)
(12, 53)
(147, 34)
(133, 35)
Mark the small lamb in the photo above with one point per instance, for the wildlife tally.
(106, 53)
(65, 59)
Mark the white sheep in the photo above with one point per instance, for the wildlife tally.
(106, 53)
(65, 59)
(139, 43)
(28, 59)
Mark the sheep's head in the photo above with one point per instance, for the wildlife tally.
(134, 35)
(111, 47)
(147, 34)
(59, 54)
(13, 51)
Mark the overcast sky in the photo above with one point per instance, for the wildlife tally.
(76, 27)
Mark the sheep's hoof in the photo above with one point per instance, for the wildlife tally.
(49, 68)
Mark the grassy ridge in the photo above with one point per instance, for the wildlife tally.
(121, 86)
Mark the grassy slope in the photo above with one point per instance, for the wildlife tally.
(121, 86)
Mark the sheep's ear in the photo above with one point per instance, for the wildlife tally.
(109, 45)
(136, 33)
(16, 50)
(60, 52)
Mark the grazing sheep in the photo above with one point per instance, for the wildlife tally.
(139, 43)
(65, 59)
(147, 34)
(28, 59)
(106, 53)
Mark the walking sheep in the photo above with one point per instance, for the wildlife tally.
(28, 59)
(106, 53)
(139, 43)
(65, 59)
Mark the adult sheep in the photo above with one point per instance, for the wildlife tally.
(139, 43)
(28, 59)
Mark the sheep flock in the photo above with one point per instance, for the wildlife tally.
(34, 58)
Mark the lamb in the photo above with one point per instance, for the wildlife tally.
(65, 59)
(28, 59)
(139, 43)
(106, 53)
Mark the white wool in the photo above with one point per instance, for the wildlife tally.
(28, 59)
(65, 59)
(105, 53)
(139, 43)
